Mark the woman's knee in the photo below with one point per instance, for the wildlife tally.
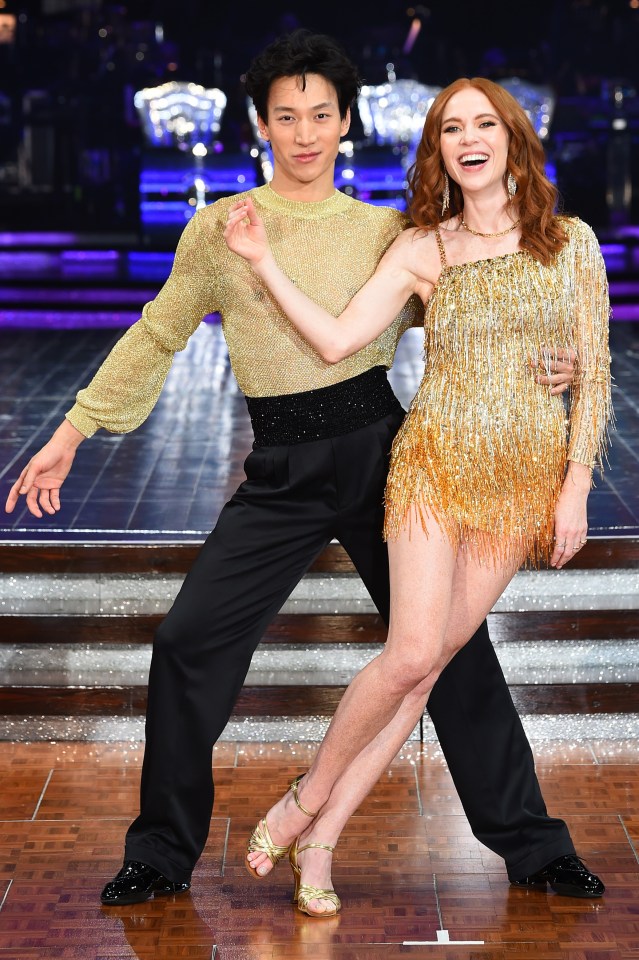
(411, 671)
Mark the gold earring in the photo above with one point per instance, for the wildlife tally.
(446, 194)
(512, 186)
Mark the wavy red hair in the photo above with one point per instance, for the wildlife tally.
(541, 231)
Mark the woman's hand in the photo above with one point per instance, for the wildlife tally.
(245, 234)
(43, 476)
(571, 518)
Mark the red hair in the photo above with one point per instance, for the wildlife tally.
(541, 231)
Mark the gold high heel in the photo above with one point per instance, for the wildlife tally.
(261, 841)
(304, 892)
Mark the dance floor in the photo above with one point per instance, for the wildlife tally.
(169, 479)
(413, 880)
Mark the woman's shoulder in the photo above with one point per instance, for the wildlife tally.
(416, 248)
(576, 229)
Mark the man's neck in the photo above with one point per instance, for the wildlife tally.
(320, 189)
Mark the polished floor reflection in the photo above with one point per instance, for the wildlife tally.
(169, 479)
(408, 870)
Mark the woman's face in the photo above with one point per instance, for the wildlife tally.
(474, 142)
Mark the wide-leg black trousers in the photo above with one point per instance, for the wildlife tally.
(294, 501)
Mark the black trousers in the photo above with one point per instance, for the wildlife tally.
(295, 500)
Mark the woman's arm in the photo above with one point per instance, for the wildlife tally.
(591, 407)
(369, 313)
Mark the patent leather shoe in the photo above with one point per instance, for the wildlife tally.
(566, 875)
(137, 882)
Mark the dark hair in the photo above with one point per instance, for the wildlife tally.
(296, 55)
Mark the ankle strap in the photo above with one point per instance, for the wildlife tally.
(318, 846)
(298, 802)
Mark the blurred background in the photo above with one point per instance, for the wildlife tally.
(77, 154)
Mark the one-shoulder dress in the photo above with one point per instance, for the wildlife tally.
(484, 447)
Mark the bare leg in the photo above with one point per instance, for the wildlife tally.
(350, 790)
(425, 632)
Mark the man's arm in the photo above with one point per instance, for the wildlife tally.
(127, 385)
(43, 476)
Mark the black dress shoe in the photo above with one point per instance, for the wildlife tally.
(137, 882)
(566, 875)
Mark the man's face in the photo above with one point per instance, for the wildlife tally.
(304, 127)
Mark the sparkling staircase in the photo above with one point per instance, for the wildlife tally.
(77, 621)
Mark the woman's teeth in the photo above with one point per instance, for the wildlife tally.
(472, 159)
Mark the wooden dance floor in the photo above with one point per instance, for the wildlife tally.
(407, 869)
(413, 880)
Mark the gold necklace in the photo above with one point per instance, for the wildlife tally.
(477, 233)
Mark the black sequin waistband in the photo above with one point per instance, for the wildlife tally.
(323, 413)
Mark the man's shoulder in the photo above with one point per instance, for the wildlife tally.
(389, 217)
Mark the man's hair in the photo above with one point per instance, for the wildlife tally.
(296, 55)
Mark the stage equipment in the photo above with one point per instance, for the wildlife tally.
(392, 115)
(185, 165)
(537, 100)
(179, 114)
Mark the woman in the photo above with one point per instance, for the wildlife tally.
(482, 478)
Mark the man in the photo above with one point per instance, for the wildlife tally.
(317, 471)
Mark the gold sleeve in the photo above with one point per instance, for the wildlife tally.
(127, 385)
(591, 412)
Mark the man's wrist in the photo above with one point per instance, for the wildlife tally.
(68, 435)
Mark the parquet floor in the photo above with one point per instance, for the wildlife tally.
(408, 868)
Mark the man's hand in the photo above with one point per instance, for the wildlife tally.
(555, 368)
(245, 234)
(43, 476)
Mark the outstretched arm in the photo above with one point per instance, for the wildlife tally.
(125, 388)
(43, 476)
(369, 313)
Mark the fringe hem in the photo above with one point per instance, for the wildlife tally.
(531, 549)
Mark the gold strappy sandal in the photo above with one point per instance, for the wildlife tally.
(304, 892)
(261, 841)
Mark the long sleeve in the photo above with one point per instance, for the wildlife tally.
(591, 408)
(127, 385)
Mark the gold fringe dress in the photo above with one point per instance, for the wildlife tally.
(484, 447)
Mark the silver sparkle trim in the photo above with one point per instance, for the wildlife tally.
(561, 727)
(130, 594)
(524, 662)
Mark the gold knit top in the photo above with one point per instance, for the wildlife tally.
(484, 447)
(329, 248)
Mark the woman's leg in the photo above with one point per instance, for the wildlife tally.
(470, 583)
(423, 636)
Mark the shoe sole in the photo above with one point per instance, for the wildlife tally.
(126, 901)
(566, 890)
(562, 889)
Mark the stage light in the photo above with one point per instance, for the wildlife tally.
(199, 150)
(180, 114)
(394, 113)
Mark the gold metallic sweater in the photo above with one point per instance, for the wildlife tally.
(329, 248)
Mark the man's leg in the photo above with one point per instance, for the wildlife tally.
(265, 539)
